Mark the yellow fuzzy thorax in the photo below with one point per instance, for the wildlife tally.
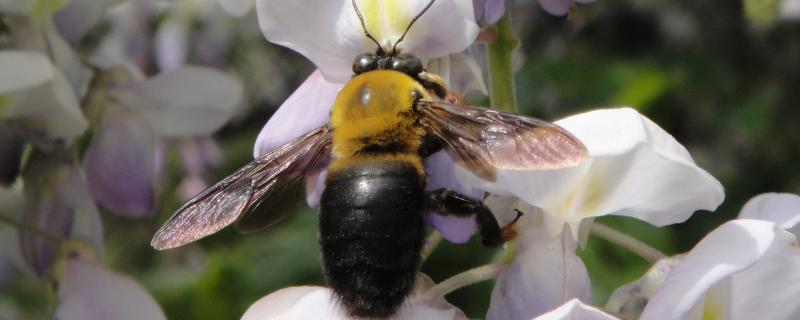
(376, 108)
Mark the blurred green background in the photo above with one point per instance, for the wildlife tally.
(724, 86)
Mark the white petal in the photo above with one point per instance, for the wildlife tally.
(781, 208)
(575, 309)
(308, 108)
(545, 274)
(237, 8)
(769, 289)
(23, 70)
(329, 33)
(630, 299)
(190, 101)
(38, 95)
(635, 169)
(732, 248)
(318, 303)
(89, 291)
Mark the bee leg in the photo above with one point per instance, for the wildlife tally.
(449, 202)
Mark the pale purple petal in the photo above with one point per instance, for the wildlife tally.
(120, 163)
(460, 71)
(545, 274)
(494, 10)
(556, 7)
(734, 247)
(76, 18)
(184, 102)
(781, 208)
(89, 291)
(335, 35)
(576, 310)
(440, 171)
(308, 108)
(172, 42)
(315, 185)
(319, 303)
(57, 200)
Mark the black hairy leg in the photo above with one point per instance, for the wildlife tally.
(449, 202)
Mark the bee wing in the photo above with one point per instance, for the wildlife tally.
(484, 140)
(235, 197)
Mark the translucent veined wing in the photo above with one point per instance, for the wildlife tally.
(272, 176)
(484, 140)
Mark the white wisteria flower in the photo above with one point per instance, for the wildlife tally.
(635, 169)
(575, 309)
(744, 269)
(319, 303)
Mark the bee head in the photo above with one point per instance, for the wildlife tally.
(404, 62)
(394, 60)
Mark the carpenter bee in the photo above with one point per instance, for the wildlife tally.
(386, 120)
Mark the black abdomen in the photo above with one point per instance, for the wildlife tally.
(371, 234)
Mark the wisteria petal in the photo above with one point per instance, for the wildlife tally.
(736, 247)
(575, 309)
(781, 208)
(89, 291)
(76, 18)
(769, 289)
(494, 10)
(57, 200)
(184, 102)
(23, 70)
(319, 303)
(120, 163)
(629, 300)
(440, 171)
(172, 42)
(556, 7)
(633, 166)
(545, 274)
(237, 8)
(35, 93)
(335, 37)
(308, 108)
(460, 71)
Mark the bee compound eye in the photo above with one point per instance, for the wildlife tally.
(364, 62)
(407, 63)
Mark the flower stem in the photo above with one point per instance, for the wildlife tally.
(32, 229)
(501, 74)
(431, 242)
(623, 240)
(472, 276)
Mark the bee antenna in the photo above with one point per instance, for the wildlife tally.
(428, 6)
(364, 26)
